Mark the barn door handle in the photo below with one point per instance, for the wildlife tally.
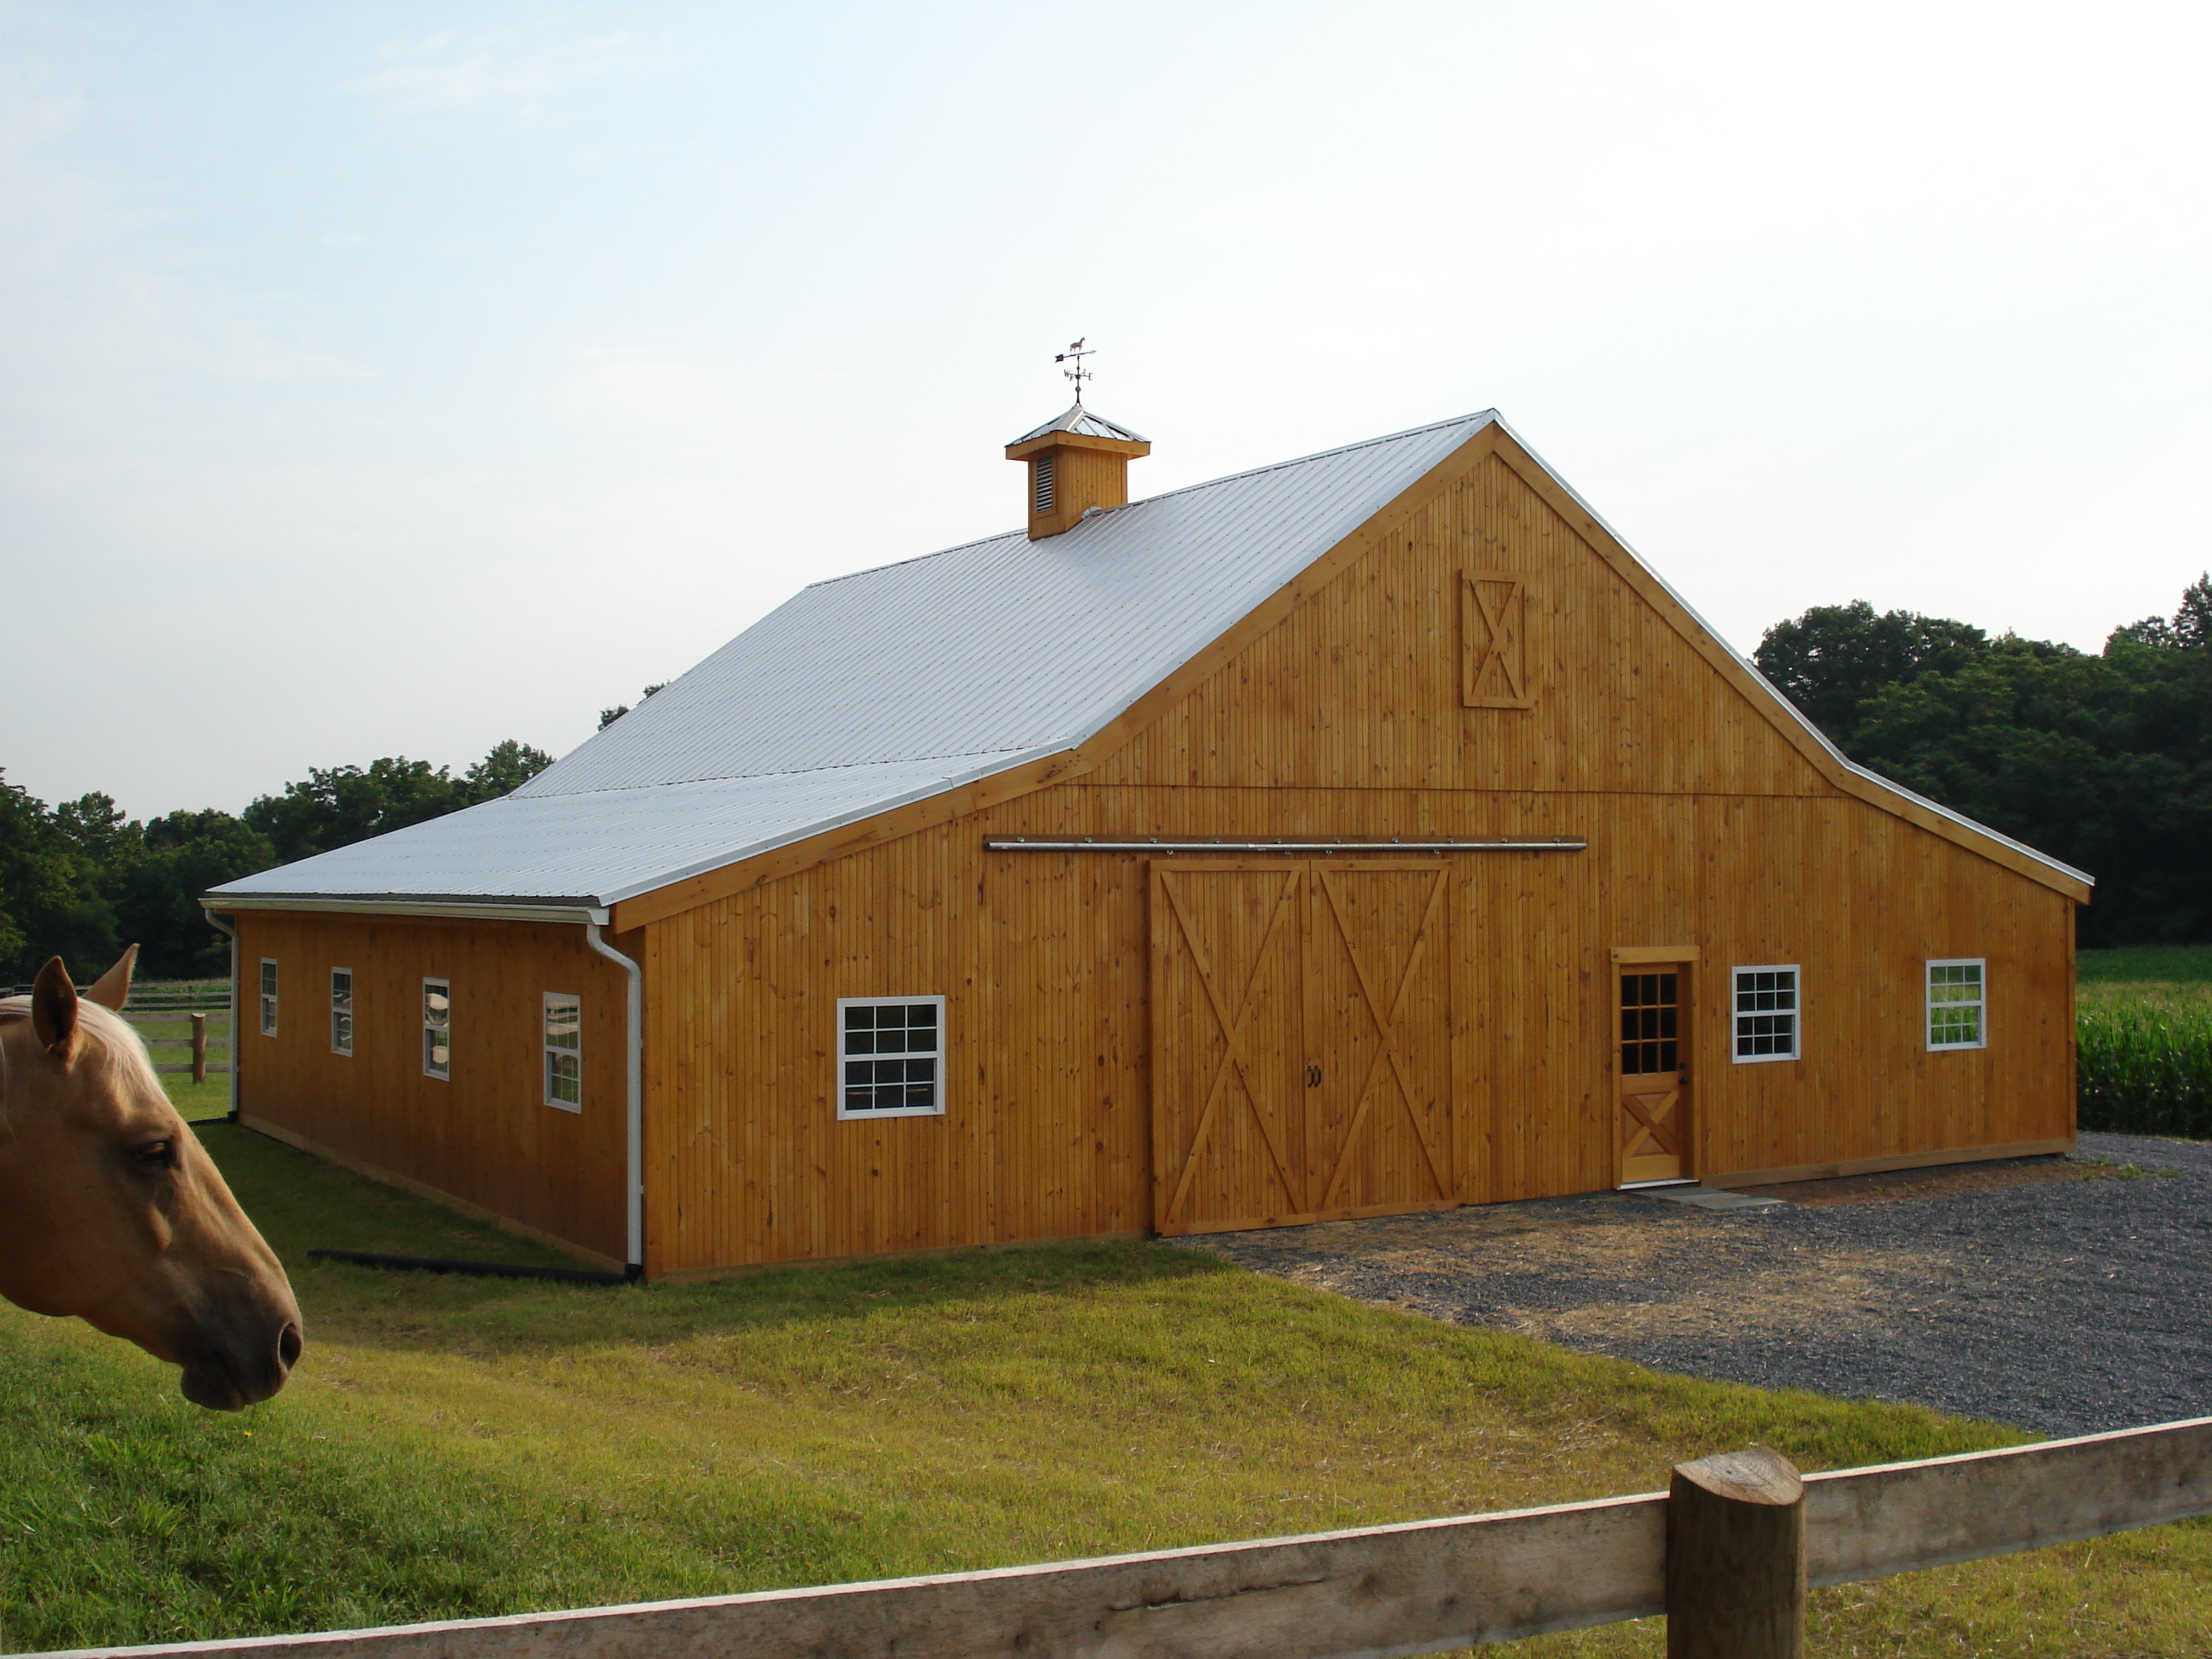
(1313, 1077)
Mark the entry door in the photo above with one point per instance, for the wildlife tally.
(1301, 1059)
(1653, 1070)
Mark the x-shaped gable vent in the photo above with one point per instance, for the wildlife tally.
(1493, 640)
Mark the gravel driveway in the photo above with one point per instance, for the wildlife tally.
(2066, 1296)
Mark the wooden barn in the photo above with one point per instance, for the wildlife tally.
(1367, 834)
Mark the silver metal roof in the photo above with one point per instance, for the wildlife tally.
(869, 690)
(1083, 422)
(890, 685)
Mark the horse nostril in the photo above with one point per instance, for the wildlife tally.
(287, 1345)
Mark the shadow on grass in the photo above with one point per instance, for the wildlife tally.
(301, 1202)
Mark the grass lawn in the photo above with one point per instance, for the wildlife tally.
(454, 1447)
(197, 1101)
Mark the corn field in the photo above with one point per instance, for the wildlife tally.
(2145, 1063)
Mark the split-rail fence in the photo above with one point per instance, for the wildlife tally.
(1727, 1554)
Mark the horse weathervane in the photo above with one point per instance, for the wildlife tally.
(1076, 352)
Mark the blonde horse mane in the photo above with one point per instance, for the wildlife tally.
(113, 1033)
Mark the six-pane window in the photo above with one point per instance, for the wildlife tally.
(437, 1028)
(341, 1010)
(564, 1051)
(268, 996)
(1766, 1013)
(1955, 1003)
(889, 1050)
(1651, 1005)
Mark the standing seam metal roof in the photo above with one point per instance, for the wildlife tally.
(865, 691)
(891, 684)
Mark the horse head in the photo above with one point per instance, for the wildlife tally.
(112, 1211)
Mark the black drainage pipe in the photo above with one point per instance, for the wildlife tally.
(431, 1264)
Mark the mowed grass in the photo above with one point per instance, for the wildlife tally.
(455, 1447)
(195, 1100)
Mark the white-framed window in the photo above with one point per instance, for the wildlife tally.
(437, 1028)
(1957, 1003)
(341, 1010)
(891, 1056)
(564, 1051)
(1767, 1017)
(268, 996)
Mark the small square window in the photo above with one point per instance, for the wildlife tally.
(891, 1056)
(268, 996)
(437, 1028)
(1766, 1013)
(1956, 1004)
(564, 1051)
(341, 1010)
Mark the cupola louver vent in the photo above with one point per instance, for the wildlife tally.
(1041, 485)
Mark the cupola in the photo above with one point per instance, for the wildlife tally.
(1076, 463)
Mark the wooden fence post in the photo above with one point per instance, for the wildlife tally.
(1736, 1558)
(199, 1047)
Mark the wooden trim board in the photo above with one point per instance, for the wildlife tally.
(1854, 1166)
(805, 1263)
(1655, 953)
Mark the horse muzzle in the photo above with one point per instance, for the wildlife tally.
(227, 1376)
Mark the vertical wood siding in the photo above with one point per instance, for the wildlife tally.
(1705, 826)
(484, 1135)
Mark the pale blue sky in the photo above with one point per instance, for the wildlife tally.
(396, 378)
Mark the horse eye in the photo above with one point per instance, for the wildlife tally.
(155, 1155)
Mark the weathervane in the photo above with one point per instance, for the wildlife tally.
(1075, 354)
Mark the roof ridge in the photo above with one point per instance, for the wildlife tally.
(1208, 483)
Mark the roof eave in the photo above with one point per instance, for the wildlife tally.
(574, 912)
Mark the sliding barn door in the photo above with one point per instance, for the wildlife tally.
(1227, 1067)
(1378, 1039)
(1301, 1051)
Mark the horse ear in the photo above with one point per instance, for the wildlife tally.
(113, 988)
(53, 1011)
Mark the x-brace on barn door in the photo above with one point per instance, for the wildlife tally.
(1301, 1041)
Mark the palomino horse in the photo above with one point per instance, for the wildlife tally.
(111, 1210)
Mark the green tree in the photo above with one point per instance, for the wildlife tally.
(2103, 761)
(505, 769)
(50, 901)
(609, 716)
(337, 806)
(155, 892)
(1830, 660)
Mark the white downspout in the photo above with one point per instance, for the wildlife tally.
(634, 1171)
(237, 1014)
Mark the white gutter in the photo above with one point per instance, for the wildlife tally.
(237, 1013)
(445, 909)
(590, 916)
(633, 1149)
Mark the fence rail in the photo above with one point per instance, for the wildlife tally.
(197, 1038)
(188, 1002)
(1420, 1587)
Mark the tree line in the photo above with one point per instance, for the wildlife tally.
(81, 880)
(2103, 760)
